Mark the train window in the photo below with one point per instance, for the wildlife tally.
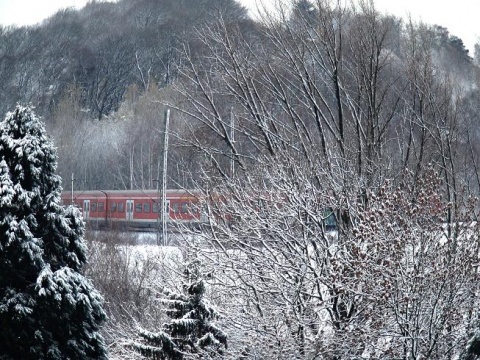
(93, 207)
(138, 207)
(121, 207)
(113, 207)
(146, 207)
(101, 207)
(175, 208)
(155, 208)
(184, 208)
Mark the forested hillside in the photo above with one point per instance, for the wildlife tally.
(79, 66)
(101, 76)
(101, 50)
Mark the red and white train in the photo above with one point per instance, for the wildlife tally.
(138, 209)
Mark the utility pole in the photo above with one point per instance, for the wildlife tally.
(232, 140)
(73, 179)
(159, 209)
(164, 211)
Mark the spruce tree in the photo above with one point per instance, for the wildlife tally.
(48, 309)
(190, 330)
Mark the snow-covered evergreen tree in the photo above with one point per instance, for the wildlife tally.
(190, 330)
(48, 309)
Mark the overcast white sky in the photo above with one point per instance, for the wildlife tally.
(27, 12)
(461, 17)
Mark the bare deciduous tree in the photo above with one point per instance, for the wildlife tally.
(312, 122)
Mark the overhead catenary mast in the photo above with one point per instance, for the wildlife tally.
(163, 210)
(232, 140)
(73, 179)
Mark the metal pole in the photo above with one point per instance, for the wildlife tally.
(232, 140)
(159, 210)
(72, 188)
(165, 211)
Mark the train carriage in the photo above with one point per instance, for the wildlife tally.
(134, 208)
(139, 209)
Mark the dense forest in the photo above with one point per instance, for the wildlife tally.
(314, 108)
(94, 75)
(101, 77)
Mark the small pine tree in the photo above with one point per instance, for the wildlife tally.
(47, 308)
(190, 330)
(472, 350)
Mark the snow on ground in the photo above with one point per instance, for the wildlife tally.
(144, 252)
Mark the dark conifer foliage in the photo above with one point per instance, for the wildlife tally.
(48, 309)
(190, 330)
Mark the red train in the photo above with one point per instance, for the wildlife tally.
(134, 208)
(138, 209)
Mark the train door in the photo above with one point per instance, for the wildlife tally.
(129, 210)
(86, 209)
